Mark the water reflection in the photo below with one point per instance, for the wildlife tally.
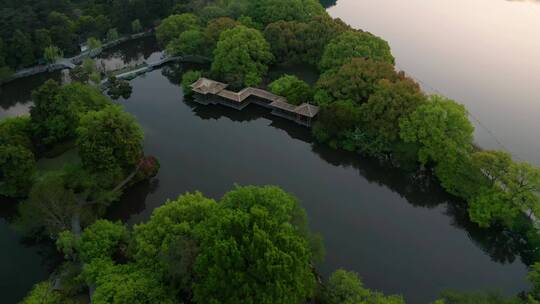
(130, 53)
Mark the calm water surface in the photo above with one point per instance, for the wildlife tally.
(399, 231)
(482, 53)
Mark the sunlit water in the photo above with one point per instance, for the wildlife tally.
(401, 233)
(482, 53)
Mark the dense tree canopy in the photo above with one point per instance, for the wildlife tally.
(174, 25)
(441, 128)
(241, 57)
(352, 44)
(295, 90)
(390, 102)
(346, 288)
(57, 110)
(355, 81)
(104, 151)
(268, 11)
(17, 165)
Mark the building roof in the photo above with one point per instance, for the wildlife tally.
(307, 110)
(207, 86)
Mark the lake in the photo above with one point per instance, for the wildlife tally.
(399, 231)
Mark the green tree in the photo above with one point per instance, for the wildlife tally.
(52, 53)
(254, 237)
(215, 27)
(345, 287)
(268, 11)
(49, 207)
(190, 42)
(17, 166)
(42, 39)
(286, 40)
(390, 102)
(174, 25)
(112, 35)
(188, 79)
(93, 43)
(23, 48)
(353, 44)
(136, 26)
(335, 121)
(241, 57)
(103, 239)
(44, 293)
(356, 80)
(124, 284)
(167, 243)
(454, 297)
(63, 32)
(16, 131)
(513, 189)
(295, 90)
(103, 150)
(441, 128)
(56, 110)
(317, 34)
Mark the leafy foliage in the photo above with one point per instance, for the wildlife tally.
(104, 151)
(241, 57)
(353, 44)
(254, 237)
(174, 25)
(188, 79)
(440, 127)
(295, 90)
(355, 81)
(17, 165)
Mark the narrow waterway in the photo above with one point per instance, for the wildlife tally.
(399, 231)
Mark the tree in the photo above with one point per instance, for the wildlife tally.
(56, 110)
(17, 165)
(390, 102)
(49, 208)
(440, 127)
(345, 287)
(295, 90)
(93, 43)
(123, 284)
(44, 293)
(286, 40)
(334, 121)
(454, 297)
(268, 11)
(103, 239)
(356, 80)
(190, 42)
(118, 88)
(102, 150)
(52, 53)
(136, 26)
(215, 27)
(63, 32)
(16, 131)
(22, 47)
(174, 25)
(167, 244)
(42, 39)
(513, 188)
(112, 35)
(241, 57)
(352, 44)
(188, 79)
(254, 237)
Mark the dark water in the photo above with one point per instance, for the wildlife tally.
(482, 53)
(399, 231)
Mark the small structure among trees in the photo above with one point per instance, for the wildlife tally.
(207, 91)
